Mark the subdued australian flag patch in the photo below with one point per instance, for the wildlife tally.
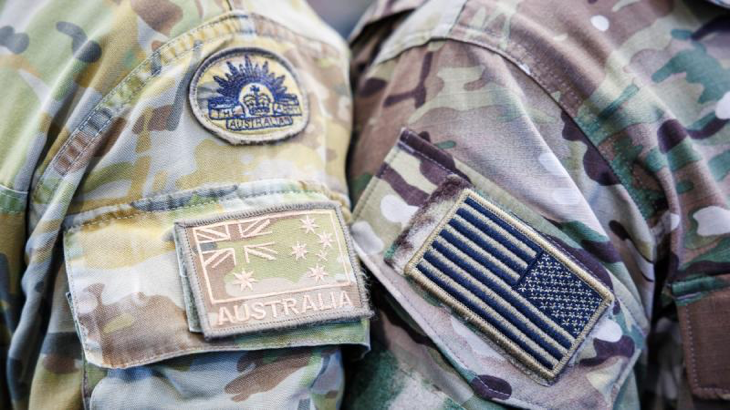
(527, 296)
(270, 268)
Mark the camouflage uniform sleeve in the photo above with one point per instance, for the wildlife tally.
(174, 206)
(464, 111)
(521, 149)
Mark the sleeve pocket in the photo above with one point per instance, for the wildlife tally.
(508, 298)
(129, 290)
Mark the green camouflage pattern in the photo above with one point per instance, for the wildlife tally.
(488, 372)
(97, 129)
(602, 124)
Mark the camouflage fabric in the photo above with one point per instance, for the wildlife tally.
(103, 153)
(600, 124)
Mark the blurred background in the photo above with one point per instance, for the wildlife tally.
(342, 15)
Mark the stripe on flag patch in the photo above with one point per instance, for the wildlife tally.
(526, 295)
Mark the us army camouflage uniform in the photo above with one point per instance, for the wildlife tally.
(597, 128)
(141, 139)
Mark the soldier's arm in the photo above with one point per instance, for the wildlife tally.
(476, 117)
(174, 206)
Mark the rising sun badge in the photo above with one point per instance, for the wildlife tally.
(249, 96)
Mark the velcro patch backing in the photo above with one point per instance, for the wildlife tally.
(523, 293)
(272, 268)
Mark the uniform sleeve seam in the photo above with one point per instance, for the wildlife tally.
(143, 213)
(536, 74)
(107, 108)
(9, 197)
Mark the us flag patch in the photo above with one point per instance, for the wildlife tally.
(523, 293)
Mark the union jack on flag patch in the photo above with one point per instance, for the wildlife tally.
(526, 295)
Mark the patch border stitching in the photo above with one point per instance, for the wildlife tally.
(240, 139)
(180, 231)
(493, 334)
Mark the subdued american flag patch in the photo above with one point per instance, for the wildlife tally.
(526, 295)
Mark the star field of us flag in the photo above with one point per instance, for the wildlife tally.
(528, 297)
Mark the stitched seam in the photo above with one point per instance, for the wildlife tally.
(133, 74)
(128, 78)
(433, 161)
(371, 186)
(695, 376)
(11, 190)
(147, 213)
(101, 105)
(226, 347)
(9, 212)
(87, 395)
(176, 351)
(69, 273)
(324, 190)
(354, 314)
(13, 195)
(536, 75)
(536, 67)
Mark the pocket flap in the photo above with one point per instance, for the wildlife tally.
(703, 305)
(129, 291)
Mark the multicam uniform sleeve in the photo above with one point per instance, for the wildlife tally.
(174, 207)
(487, 133)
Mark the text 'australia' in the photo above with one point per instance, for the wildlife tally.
(289, 306)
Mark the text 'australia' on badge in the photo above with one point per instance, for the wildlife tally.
(270, 269)
(249, 96)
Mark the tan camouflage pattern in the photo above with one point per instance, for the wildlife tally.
(127, 317)
(602, 124)
(97, 129)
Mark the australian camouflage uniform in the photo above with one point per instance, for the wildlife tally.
(539, 188)
(174, 207)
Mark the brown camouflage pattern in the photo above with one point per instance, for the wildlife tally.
(607, 119)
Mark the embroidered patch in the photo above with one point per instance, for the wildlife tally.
(249, 96)
(526, 295)
(271, 268)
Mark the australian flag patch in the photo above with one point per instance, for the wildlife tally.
(526, 295)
